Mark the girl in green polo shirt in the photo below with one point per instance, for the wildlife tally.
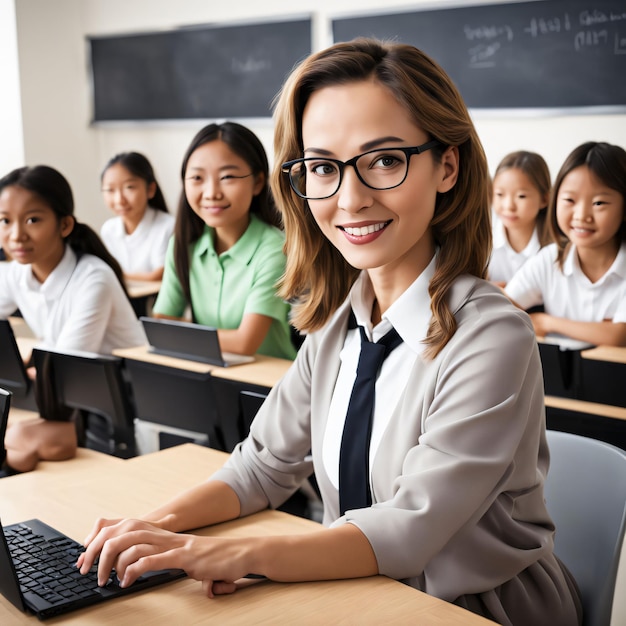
(226, 255)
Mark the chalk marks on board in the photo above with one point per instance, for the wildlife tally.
(199, 72)
(537, 54)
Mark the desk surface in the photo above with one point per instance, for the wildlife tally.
(20, 327)
(143, 288)
(582, 406)
(264, 370)
(613, 354)
(74, 493)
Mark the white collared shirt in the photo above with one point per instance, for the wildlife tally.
(144, 249)
(569, 293)
(410, 315)
(505, 261)
(80, 306)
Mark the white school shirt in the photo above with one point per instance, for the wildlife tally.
(569, 293)
(410, 315)
(144, 250)
(80, 306)
(504, 260)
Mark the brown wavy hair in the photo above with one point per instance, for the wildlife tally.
(608, 163)
(538, 172)
(317, 277)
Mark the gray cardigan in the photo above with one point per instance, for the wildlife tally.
(457, 481)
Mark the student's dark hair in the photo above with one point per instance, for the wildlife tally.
(317, 276)
(189, 226)
(54, 190)
(608, 163)
(138, 165)
(538, 172)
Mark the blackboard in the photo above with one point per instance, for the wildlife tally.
(195, 73)
(542, 54)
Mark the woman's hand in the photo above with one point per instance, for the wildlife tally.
(135, 547)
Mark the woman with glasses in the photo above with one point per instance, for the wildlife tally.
(226, 256)
(383, 187)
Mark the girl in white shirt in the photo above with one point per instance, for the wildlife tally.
(138, 236)
(581, 279)
(383, 186)
(68, 288)
(521, 190)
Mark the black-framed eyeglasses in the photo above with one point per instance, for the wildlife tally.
(318, 178)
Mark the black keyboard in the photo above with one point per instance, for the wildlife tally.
(47, 567)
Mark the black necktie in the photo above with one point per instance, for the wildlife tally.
(354, 490)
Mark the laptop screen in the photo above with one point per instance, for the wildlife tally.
(188, 341)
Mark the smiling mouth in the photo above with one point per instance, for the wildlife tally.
(361, 231)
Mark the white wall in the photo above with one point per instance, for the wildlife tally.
(11, 141)
(56, 106)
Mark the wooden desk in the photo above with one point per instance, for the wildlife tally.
(24, 337)
(143, 288)
(17, 414)
(585, 391)
(71, 500)
(264, 370)
(590, 408)
(20, 327)
(612, 354)
(143, 354)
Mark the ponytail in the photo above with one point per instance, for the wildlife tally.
(84, 240)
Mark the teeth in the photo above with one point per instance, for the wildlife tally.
(364, 230)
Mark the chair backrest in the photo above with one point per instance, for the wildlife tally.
(5, 405)
(12, 370)
(174, 397)
(586, 496)
(237, 403)
(94, 384)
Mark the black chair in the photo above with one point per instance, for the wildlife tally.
(236, 403)
(175, 398)
(603, 382)
(13, 375)
(94, 385)
(249, 402)
(561, 370)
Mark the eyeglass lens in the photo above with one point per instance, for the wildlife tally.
(315, 178)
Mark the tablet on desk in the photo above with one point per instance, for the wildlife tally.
(185, 340)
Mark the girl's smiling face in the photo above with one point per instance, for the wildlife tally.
(125, 194)
(378, 230)
(588, 212)
(220, 186)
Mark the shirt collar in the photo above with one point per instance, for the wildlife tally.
(410, 314)
(53, 286)
(500, 239)
(244, 249)
(618, 267)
